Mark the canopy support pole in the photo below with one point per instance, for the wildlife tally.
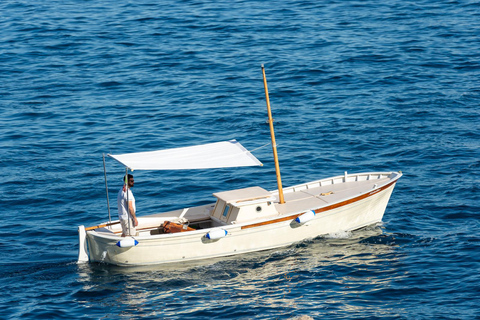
(272, 134)
(106, 188)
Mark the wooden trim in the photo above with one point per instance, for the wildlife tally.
(139, 229)
(101, 226)
(323, 209)
(115, 232)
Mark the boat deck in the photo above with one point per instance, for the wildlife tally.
(321, 193)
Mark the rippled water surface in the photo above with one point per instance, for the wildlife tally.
(354, 86)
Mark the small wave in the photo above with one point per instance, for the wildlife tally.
(339, 235)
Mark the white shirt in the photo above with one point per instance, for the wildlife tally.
(122, 203)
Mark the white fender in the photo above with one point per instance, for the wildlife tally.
(216, 234)
(82, 245)
(127, 243)
(305, 217)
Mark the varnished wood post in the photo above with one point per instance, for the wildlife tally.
(272, 134)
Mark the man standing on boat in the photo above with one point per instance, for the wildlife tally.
(125, 200)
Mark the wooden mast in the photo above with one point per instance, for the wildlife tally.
(272, 134)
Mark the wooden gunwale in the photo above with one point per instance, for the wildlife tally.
(323, 209)
(102, 226)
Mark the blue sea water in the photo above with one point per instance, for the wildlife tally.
(354, 86)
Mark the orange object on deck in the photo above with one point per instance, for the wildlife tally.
(171, 227)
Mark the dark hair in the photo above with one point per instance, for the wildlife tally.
(129, 177)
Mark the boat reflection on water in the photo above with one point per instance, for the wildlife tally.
(328, 271)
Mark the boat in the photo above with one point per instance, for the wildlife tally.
(238, 221)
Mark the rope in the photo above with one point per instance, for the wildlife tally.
(262, 147)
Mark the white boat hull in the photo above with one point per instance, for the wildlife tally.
(362, 207)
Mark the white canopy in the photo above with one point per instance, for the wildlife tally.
(213, 155)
